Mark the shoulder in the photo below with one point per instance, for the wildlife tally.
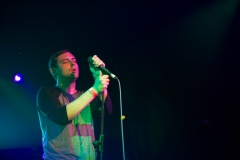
(49, 89)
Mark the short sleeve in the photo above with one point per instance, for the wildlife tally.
(48, 104)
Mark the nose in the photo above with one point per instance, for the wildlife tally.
(72, 63)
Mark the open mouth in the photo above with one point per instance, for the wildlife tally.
(74, 71)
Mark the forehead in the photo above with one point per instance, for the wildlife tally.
(66, 55)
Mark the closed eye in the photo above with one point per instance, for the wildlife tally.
(65, 61)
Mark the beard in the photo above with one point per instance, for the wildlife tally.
(70, 78)
(73, 77)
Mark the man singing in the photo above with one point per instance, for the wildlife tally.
(65, 113)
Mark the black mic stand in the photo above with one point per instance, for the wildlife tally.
(98, 144)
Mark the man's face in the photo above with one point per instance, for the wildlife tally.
(67, 67)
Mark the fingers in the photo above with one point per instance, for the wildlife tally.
(97, 61)
(105, 77)
(101, 83)
(105, 80)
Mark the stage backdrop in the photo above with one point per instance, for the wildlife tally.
(176, 60)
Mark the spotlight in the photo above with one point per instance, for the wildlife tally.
(18, 78)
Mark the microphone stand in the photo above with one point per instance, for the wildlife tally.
(99, 144)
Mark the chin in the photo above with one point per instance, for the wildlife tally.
(76, 76)
(72, 78)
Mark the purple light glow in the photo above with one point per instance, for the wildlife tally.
(17, 78)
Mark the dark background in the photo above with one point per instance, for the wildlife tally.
(177, 62)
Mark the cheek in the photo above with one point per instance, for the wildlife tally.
(64, 71)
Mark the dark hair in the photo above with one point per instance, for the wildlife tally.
(52, 63)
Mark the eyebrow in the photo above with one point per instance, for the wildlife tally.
(67, 59)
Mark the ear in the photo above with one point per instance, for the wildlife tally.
(53, 71)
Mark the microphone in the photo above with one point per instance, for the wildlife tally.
(103, 69)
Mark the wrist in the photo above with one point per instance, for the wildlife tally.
(93, 92)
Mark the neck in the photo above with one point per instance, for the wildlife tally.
(69, 88)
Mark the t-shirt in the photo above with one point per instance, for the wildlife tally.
(61, 138)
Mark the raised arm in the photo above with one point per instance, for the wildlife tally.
(76, 106)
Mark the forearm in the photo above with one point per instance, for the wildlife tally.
(76, 106)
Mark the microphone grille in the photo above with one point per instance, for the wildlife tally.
(89, 60)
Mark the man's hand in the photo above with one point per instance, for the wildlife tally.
(101, 83)
(96, 72)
